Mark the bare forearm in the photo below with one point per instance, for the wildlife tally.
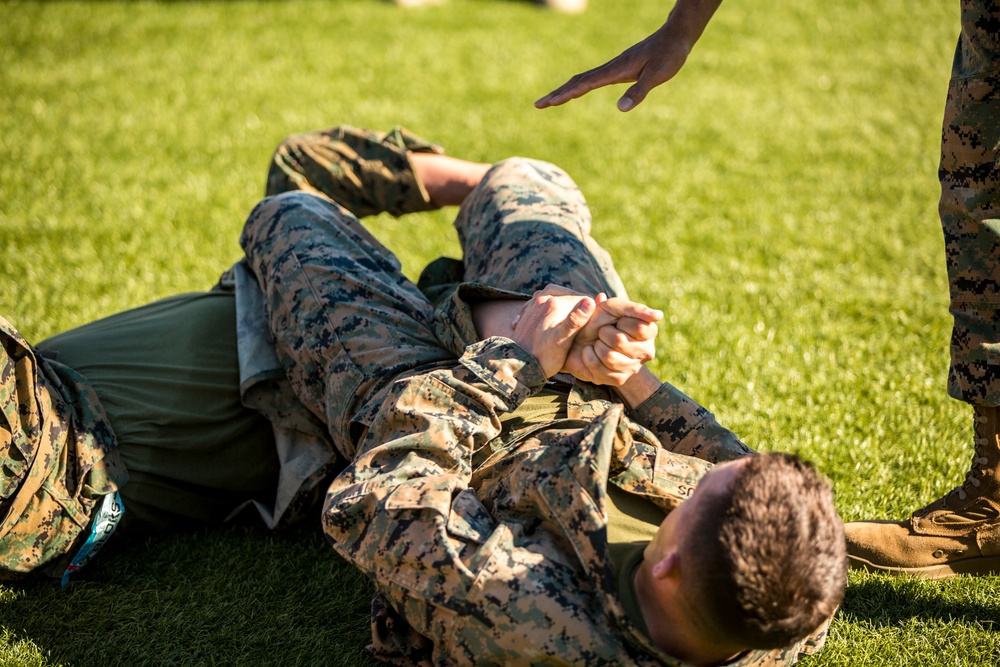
(689, 18)
(447, 180)
(495, 318)
(638, 388)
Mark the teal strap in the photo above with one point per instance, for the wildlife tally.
(106, 519)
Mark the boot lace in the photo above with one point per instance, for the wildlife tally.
(972, 476)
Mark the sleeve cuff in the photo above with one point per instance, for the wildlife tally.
(453, 323)
(506, 367)
(684, 427)
(412, 195)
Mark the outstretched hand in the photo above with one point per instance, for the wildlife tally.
(651, 62)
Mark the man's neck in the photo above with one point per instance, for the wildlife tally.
(670, 623)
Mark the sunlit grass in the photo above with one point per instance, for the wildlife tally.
(777, 199)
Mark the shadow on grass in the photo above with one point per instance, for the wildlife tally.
(884, 601)
(236, 596)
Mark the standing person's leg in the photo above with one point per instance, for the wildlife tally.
(346, 321)
(960, 533)
(527, 225)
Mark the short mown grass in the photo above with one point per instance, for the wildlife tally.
(777, 200)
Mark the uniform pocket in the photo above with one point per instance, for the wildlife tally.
(20, 427)
(437, 523)
(12, 467)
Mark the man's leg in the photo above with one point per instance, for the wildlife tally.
(960, 533)
(527, 225)
(346, 321)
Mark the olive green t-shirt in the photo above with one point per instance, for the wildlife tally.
(632, 522)
(167, 374)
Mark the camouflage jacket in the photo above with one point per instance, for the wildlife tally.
(490, 547)
(57, 458)
(493, 546)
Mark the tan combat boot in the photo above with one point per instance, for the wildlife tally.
(958, 534)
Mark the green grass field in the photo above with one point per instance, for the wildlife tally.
(777, 200)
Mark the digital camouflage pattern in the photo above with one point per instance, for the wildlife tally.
(504, 562)
(346, 165)
(970, 205)
(487, 546)
(490, 543)
(366, 171)
(57, 458)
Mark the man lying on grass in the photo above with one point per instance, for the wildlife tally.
(503, 466)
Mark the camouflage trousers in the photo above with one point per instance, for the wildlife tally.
(347, 322)
(970, 205)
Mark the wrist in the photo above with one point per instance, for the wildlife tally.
(687, 22)
(494, 317)
(638, 388)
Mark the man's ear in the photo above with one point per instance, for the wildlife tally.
(669, 565)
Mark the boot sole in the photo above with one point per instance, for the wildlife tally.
(983, 566)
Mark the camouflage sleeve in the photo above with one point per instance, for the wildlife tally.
(684, 427)
(785, 657)
(403, 512)
(364, 171)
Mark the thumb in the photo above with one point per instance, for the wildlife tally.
(578, 317)
(633, 96)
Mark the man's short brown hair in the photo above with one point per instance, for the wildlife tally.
(770, 561)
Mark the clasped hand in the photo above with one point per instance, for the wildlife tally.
(599, 340)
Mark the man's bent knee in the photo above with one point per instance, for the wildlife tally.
(286, 215)
(528, 170)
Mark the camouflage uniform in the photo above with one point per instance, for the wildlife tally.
(486, 545)
(57, 459)
(970, 205)
(960, 532)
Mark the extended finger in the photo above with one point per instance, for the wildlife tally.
(574, 321)
(620, 69)
(637, 92)
(620, 307)
(578, 86)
